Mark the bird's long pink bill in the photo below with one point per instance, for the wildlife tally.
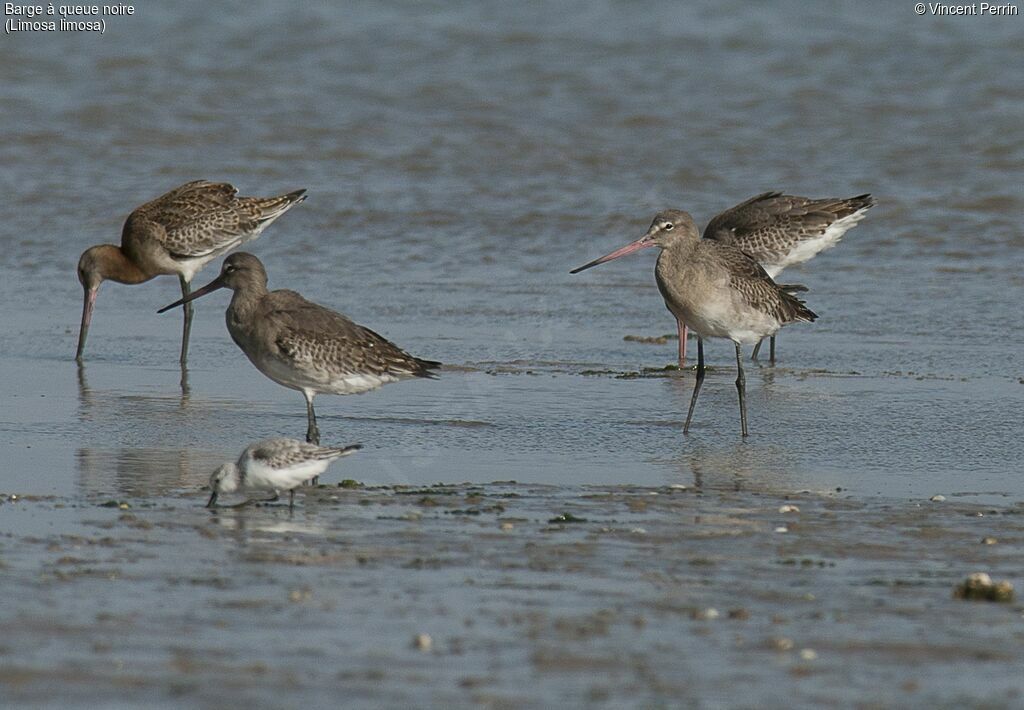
(87, 309)
(639, 244)
(208, 288)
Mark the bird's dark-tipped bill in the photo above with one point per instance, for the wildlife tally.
(87, 308)
(213, 500)
(639, 244)
(208, 288)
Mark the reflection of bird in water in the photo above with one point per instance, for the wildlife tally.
(88, 399)
(84, 393)
(303, 345)
(177, 233)
(716, 289)
(142, 472)
(275, 465)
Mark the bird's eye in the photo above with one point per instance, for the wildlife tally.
(667, 226)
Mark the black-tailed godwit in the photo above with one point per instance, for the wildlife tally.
(784, 230)
(177, 233)
(302, 345)
(716, 289)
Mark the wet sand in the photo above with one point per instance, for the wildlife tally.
(460, 159)
(729, 574)
(528, 595)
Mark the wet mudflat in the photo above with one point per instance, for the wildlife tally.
(510, 595)
(460, 159)
(583, 552)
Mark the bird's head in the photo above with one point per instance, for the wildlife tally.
(669, 228)
(240, 271)
(224, 480)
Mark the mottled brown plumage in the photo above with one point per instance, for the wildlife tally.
(716, 289)
(784, 230)
(205, 219)
(303, 345)
(177, 233)
(731, 272)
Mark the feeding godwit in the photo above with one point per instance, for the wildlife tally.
(275, 465)
(177, 233)
(780, 230)
(302, 345)
(714, 288)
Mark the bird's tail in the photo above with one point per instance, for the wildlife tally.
(424, 367)
(793, 289)
(844, 214)
(268, 209)
(793, 309)
(852, 205)
(333, 452)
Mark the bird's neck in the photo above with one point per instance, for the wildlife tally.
(244, 303)
(234, 479)
(114, 265)
(680, 249)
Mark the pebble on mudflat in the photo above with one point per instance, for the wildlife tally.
(979, 586)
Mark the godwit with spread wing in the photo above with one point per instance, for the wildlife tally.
(275, 465)
(302, 345)
(177, 233)
(783, 230)
(716, 289)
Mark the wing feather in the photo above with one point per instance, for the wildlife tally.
(203, 218)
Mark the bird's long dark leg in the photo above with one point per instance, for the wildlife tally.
(757, 349)
(312, 432)
(186, 330)
(185, 389)
(741, 387)
(291, 500)
(682, 343)
(771, 357)
(697, 384)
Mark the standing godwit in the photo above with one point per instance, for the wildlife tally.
(302, 345)
(780, 230)
(177, 233)
(275, 465)
(714, 288)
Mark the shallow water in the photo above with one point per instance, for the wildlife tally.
(460, 159)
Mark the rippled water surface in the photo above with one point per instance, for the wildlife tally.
(460, 159)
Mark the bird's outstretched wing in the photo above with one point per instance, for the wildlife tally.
(772, 225)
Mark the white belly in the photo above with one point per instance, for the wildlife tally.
(308, 376)
(723, 320)
(261, 477)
